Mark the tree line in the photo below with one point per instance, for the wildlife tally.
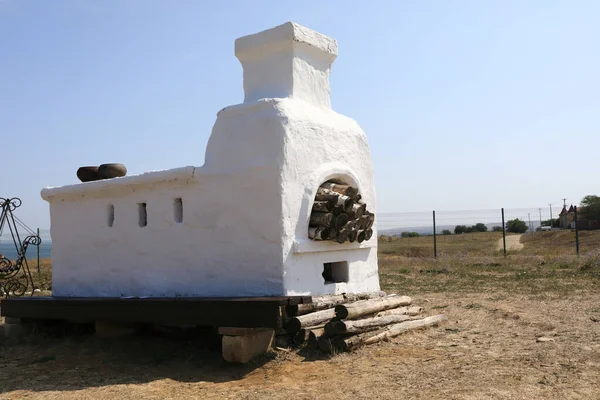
(589, 209)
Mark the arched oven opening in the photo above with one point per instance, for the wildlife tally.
(338, 214)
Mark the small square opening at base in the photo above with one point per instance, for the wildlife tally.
(336, 272)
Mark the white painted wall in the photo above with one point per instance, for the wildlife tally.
(245, 211)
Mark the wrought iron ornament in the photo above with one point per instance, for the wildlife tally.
(15, 278)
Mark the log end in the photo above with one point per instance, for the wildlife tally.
(325, 345)
(291, 310)
(292, 325)
(341, 312)
(340, 221)
(333, 328)
(300, 337)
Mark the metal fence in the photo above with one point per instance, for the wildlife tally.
(506, 230)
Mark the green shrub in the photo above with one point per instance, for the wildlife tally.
(410, 234)
(516, 226)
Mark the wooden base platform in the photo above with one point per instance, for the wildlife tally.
(242, 312)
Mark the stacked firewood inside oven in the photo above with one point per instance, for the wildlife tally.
(339, 323)
(339, 215)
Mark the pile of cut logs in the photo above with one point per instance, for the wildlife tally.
(338, 214)
(340, 323)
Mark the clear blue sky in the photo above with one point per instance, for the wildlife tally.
(467, 104)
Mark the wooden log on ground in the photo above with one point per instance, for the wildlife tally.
(323, 206)
(414, 310)
(410, 311)
(338, 344)
(397, 329)
(329, 301)
(303, 336)
(318, 233)
(366, 307)
(346, 190)
(394, 311)
(326, 344)
(321, 219)
(284, 341)
(333, 328)
(314, 335)
(341, 344)
(294, 324)
(300, 337)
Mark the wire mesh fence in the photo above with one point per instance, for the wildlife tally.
(532, 231)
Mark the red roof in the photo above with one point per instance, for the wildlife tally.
(564, 211)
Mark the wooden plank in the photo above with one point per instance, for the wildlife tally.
(281, 300)
(236, 331)
(238, 312)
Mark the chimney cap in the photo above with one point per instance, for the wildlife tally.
(281, 36)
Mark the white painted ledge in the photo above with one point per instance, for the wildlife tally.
(103, 187)
(310, 246)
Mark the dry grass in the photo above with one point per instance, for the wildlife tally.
(43, 279)
(496, 307)
(449, 245)
(560, 242)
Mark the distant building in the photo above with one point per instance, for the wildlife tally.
(567, 220)
(566, 217)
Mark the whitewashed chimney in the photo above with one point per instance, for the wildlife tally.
(287, 61)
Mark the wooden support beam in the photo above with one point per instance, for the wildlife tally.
(110, 330)
(251, 312)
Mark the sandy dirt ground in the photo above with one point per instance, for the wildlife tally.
(513, 243)
(487, 350)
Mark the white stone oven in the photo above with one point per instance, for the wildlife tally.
(238, 225)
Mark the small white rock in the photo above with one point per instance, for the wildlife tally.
(544, 339)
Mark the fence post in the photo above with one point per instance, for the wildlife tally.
(503, 233)
(576, 232)
(434, 237)
(38, 252)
